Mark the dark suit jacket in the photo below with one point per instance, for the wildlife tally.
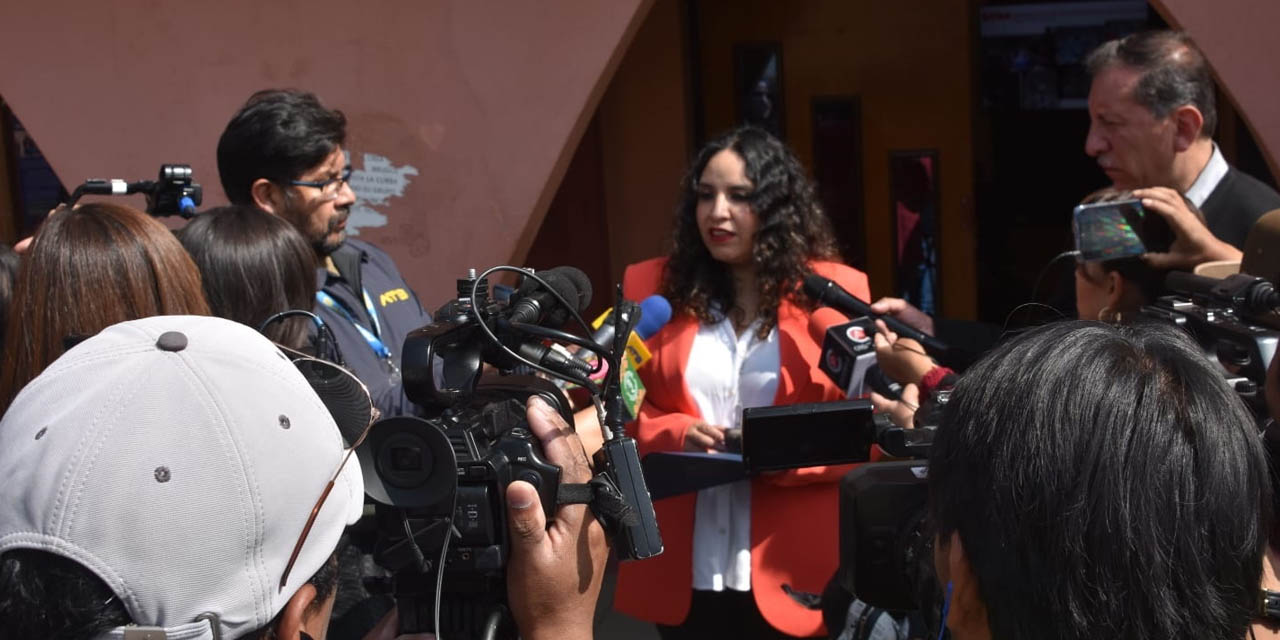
(1235, 204)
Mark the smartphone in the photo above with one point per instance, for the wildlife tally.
(1111, 230)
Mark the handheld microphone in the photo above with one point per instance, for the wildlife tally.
(655, 312)
(828, 293)
(848, 349)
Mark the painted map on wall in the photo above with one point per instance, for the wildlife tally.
(375, 184)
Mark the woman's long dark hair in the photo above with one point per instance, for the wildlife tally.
(254, 265)
(793, 231)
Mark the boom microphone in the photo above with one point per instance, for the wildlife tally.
(533, 304)
(828, 293)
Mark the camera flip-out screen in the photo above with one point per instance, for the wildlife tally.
(806, 435)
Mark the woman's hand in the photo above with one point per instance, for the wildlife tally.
(902, 359)
(1193, 243)
(902, 310)
(703, 437)
(902, 412)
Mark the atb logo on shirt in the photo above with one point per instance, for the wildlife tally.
(394, 295)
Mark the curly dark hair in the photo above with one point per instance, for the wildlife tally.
(793, 231)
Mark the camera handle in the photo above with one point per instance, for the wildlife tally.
(172, 193)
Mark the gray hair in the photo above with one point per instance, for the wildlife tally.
(1174, 72)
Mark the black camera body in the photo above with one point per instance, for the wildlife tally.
(173, 189)
(440, 482)
(1234, 322)
(446, 477)
(886, 544)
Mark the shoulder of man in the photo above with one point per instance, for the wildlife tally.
(388, 286)
(1253, 191)
(372, 252)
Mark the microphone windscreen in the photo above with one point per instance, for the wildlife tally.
(655, 312)
(569, 282)
(824, 318)
(581, 283)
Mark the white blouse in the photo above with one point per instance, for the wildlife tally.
(727, 373)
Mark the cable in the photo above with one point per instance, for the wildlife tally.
(1005, 328)
(562, 336)
(491, 624)
(590, 386)
(277, 317)
(1047, 266)
(444, 549)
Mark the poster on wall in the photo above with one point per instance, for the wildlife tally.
(913, 193)
(837, 170)
(757, 81)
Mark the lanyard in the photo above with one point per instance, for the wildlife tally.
(370, 337)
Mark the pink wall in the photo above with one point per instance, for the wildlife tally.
(486, 100)
(1238, 37)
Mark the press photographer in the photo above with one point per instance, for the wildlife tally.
(440, 482)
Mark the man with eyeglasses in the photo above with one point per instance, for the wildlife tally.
(283, 152)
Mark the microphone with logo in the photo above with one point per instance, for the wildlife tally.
(829, 294)
(848, 350)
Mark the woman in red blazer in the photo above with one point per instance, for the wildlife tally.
(747, 231)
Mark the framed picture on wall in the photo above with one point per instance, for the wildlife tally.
(757, 82)
(837, 170)
(914, 203)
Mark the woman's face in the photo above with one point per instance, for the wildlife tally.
(725, 219)
(1092, 290)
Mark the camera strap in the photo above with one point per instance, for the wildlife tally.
(604, 499)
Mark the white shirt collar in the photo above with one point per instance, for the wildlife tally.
(1213, 173)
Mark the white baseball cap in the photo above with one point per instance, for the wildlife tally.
(178, 459)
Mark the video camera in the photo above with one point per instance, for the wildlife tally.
(174, 192)
(1234, 319)
(440, 482)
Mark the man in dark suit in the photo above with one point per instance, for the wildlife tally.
(1152, 115)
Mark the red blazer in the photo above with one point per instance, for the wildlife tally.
(794, 514)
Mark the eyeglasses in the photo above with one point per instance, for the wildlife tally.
(346, 398)
(328, 188)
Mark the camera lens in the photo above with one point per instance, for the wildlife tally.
(405, 460)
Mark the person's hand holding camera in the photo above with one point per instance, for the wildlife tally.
(1193, 243)
(555, 572)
